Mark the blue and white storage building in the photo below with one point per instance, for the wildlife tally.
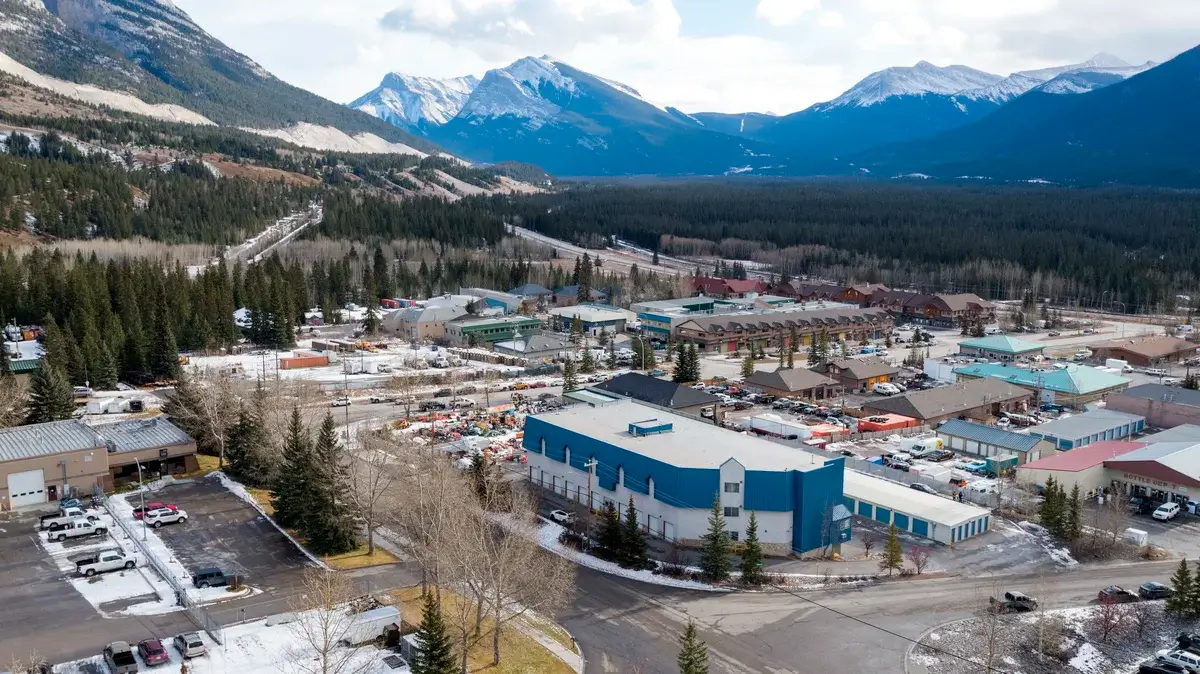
(926, 515)
(674, 466)
(1094, 425)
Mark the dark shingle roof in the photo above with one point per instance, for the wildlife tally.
(950, 400)
(989, 435)
(656, 391)
(786, 379)
(865, 368)
(1166, 394)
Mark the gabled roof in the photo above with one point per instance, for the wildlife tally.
(1083, 458)
(656, 391)
(570, 291)
(950, 400)
(55, 437)
(1167, 394)
(1173, 462)
(1155, 346)
(988, 435)
(1080, 425)
(1074, 379)
(1002, 344)
(865, 368)
(138, 434)
(790, 380)
(800, 318)
(530, 290)
(964, 301)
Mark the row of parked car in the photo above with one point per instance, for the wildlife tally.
(119, 656)
(1183, 659)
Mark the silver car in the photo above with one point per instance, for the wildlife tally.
(190, 645)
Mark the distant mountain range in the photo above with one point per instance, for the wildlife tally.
(545, 112)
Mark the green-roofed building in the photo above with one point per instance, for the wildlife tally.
(1073, 385)
(999, 347)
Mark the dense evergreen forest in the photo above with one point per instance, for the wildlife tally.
(1137, 248)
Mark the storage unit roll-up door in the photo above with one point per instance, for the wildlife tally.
(27, 488)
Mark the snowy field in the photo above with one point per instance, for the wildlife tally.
(260, 647)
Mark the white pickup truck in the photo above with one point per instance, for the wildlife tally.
(63, 517)
(108, 560)
(77, 528)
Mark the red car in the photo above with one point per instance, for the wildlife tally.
(139, 511)
(153, 653)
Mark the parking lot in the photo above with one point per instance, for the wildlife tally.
(226, 532)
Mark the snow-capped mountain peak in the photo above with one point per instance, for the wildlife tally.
(531, 88)
(408, 100)
(1075, 78)
(922, 78)
(1105, 60)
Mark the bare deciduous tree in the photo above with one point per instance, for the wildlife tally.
(990, 629)
(918, 556)
(1108, 619)
(209, 407)
(372, 472)
(12, 402)
(1140, 614)
(323, 623)
(33, 663)
(868, 540)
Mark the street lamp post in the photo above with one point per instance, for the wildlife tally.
(142, 494)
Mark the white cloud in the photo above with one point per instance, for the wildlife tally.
(797, 53)
(784, 12)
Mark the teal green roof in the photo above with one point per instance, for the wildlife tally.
(1002, 344)
(1074, 380)
(24, 366)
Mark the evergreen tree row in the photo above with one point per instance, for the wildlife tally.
(1062, 515)
(311, 493)
(622, 540)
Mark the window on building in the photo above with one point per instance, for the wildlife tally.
(731, 512)
(733, 535)
(733, 487)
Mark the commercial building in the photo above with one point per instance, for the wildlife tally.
(658, 319)
(1146, 351)
(1083, 467)
(569, 296)
(1163, 406)
(792, 383)
(596, 320)
(1073, 385)
(674, 466)
(861, 374)
(1081, 430)
(662, 393)
(508, 302)
(939, 309)
(43, 463)
(999, 347)
(733, 332)
(536, 348)
(992, 442)
(980, 399)
(421, 323)
(926, 515)
(469, 330)
(710, 286)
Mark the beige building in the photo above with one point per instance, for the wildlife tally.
(419, 324)
(43, 463)
(792, 383)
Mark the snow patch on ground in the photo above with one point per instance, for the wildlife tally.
(97, 96)
(1089, 660)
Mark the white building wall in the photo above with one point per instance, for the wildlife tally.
(733, 472)
(688, 523)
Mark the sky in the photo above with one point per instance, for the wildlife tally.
(697, 55)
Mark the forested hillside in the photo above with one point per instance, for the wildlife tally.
(1135, 246)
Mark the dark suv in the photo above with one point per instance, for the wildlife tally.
(210, 577)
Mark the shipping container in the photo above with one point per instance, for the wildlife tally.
(297, 362)
(388, 303)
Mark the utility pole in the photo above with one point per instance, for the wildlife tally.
(587, 526)
(142, 493)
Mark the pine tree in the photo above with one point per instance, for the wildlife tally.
(814, 358)
(329, 523)
(570, 378)
(612, 353)
(1050, 513)
(752, 555)
(791, 363)
(576, 331)
(682, 369)
(243, 459)
(292, 491)
(51, 397)
(587, 362)
(714, 555)
(747, 367)
(609, 536)
(1193, 601)
(434, 652)
(1073, 528)
(371, 323)
(1180, 601)
(106, 371)
(893, 555)
(693, 653)
(793, 340)
(693, 362)
(633, 553)
(164, 355)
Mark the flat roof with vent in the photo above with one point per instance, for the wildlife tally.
(685, 442)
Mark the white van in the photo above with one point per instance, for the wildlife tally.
(1156, 372)
(992, 331)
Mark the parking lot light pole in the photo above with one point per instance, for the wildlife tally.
(142, 493)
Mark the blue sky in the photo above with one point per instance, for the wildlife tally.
(698, 55)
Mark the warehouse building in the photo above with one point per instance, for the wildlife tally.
(979, 399)
(1073, 385)
(663, 393)
(595, 320)
(992, 442)
(674, 466)
(1083, 467)
(1081, 430)
(926, 515)
(999, 347)
(43, 463)
(1163, 406)
(469, 330)
(1146, 351)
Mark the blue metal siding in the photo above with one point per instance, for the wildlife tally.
(920, 527)
(866, 509)
(901, 521)
(883, 515)
(768, 491)
(815, 491)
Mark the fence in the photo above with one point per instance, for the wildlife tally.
(568, 492)
(197, 614)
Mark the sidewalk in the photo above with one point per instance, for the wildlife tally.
(574, 660)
